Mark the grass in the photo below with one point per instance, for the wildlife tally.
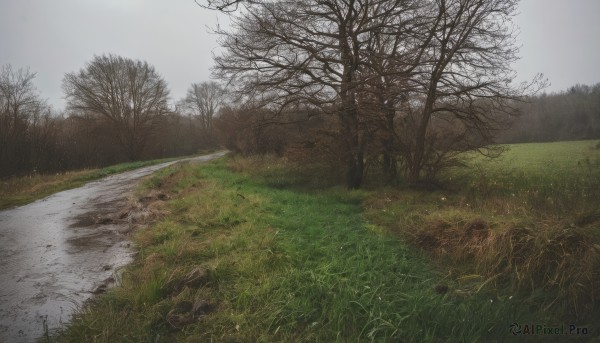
(17, 191)
(558, 178)
(527, 223)
(252, 250)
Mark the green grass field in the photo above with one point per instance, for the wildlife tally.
(559, 178)
(251, 250)
(540, 158)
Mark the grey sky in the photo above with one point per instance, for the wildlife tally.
(560, 38)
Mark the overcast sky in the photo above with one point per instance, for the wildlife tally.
(560, 38)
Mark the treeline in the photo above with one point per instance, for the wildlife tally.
(117, 111)
(573, 114)
(307, 135)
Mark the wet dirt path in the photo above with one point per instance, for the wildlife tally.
(57, 252)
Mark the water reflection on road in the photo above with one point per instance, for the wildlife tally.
(52, 259)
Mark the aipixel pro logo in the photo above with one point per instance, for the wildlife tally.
(517, 329)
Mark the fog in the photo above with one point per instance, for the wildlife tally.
(56, 37)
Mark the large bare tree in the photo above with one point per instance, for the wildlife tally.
(312, 52)
(128, 93)
(431, 78)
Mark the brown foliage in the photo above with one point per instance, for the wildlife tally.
(564, 260)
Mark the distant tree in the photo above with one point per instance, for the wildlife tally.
(202, 101)
(22, 111)
(128, 93)
(573, 114)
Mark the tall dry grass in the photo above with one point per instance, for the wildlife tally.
(527, 223)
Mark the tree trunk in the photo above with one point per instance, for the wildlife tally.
(353, 154)
(355, 171)
(417, 161)
(389, 161)
(349, 114)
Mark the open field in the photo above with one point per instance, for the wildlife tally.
(249, 250)
(557, 178)
(541, 158)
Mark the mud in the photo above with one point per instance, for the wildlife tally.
(58, 252)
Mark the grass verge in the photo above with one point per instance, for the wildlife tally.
(244, 255)
(22, 190)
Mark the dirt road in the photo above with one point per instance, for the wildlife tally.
(57, 252)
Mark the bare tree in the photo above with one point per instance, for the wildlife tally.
(393, 60)
(203, 101)
(21, 107)
(427, 78)
(131, 94)
(464, 78)
(311, 52)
